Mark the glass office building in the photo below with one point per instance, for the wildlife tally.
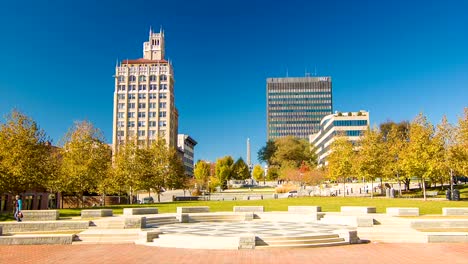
(295, 106)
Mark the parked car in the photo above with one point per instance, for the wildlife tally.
(148, 200)
(292, 194)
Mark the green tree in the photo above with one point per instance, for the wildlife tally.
(370, 159)
(126, 169)
(223, 170)
(202, 173)
(25, 157)
(176, 177)
(265, 154)
(240, 170)
(272, 173)
(446, 136)
(85, 159)
(460, 150)
(395, 142)
(340, 160)
(421, 153)
(293, 151)
(258, 173)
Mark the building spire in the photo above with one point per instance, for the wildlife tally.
(150, 31)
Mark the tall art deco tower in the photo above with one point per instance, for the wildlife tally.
(144, 106)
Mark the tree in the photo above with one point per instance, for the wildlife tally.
(340, 160)
(258, 173)
(202, 172)
(223, 170)
(396, 141)
(265, 154)
(371, 156)
(126, 170)
(240, 170)
(421, 152)
(176, 178)
(446, 136)
(272, 173)
(293, 151)
(85, 159)
(25, 157)
(460, 150)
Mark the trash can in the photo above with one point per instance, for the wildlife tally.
(456, 195)
(448, 194)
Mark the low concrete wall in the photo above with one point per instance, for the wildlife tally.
(455, 211)
(349, 236)
(140, 211)
(216, 217)
(55, 239)
(92, 213)
(247, 241)
(304, 209)
(358, 210)
(149, 235)
(40, 215)
(15, 227)
(349, 220)
(448, 237)
(403, 211)
(193, 209)
(134, 222)
(287, 216)
(440, 224)
(252, 209)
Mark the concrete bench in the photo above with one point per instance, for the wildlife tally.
(349, 220)
(148, 235)
(440, 224)
(96, 213)
(447, 237)
(252, 209)
(134, 222)
(40, 215)
(403, 211)
(455, 211)
(358, 210)
(140, 211)
(193, 209)
(37, 226)
(304, 209)
(432, 193)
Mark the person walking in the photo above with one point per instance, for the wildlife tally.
(18, 207)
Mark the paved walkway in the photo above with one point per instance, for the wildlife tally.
(366, 253)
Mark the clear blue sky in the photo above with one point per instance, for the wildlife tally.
(392, 58)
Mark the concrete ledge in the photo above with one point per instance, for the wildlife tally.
(252, 209)
(349, 236)
(448, 237)
(440, 224)
(193, 209)
(358, 210)
(183, 218)
(247, 241)
(149, 235)
(15, 227)
(455, 211)
(53, 239)
(403, 211)
(304, 209)
(40, 215)
(96, 213)
(216, 217)
(348, 220)
(134, 222)
(287, 216)
(140, 211)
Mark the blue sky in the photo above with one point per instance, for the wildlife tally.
(392, 58)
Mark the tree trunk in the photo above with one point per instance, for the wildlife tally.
(399, 183)
(344, 187)
(131, 196)
(372, 189)
(424, 188)
(451, 183)
(159, 197)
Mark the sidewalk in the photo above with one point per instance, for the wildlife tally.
(365, 253)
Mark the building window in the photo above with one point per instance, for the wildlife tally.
(163, 77)
(142, 87)
(131, 124)
(121, 78)
(153, 87)
(162, 96)
(142, 78)
(131, 115)
(121, 106)
(120, 124)
(120, 133)
(141, 114)
(121, 88)
(121, 96)
(162, 123)
(152, 114)
(152, 123)
(131, 106)
(162, 114)
(162, 105)
(132, 87)
(152, 96)
(141, 105)
(153, 78)
(141, 133)
(120, 115)
(131, 96)
(152, 133)
(152, 105)
(141, 124)
(163, 87)
(132, 78)
(141, 96)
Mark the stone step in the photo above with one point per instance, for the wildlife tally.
(330, 244)
(297, 242)
(282, 238)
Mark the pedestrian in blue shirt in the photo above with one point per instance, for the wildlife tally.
(18, 207)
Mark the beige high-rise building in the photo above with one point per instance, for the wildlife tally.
(144, 106)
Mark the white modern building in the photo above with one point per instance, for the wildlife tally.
(187, 145)
(349, 124)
